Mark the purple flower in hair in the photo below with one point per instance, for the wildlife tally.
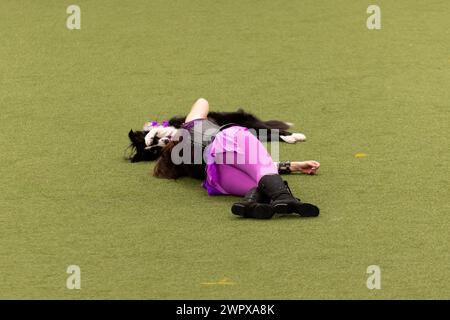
(165, 123)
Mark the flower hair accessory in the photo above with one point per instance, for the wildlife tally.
(152, 124)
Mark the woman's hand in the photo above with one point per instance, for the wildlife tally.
(308, 167)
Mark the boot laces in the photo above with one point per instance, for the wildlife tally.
(289, 189)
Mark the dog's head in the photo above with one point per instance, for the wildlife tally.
(140, 151)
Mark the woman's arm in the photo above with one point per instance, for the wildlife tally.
(199, 110)
(308, 167)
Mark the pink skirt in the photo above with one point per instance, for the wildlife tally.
(236, 161)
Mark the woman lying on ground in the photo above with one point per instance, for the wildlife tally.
(227, 165)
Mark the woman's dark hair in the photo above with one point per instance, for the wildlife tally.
(165, 168)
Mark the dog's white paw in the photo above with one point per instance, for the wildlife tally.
(293, 138)
(299, 136)
(288, 139)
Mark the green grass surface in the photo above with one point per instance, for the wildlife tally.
(68, 99)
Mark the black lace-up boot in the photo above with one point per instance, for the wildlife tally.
(255, 205)
(281, 198)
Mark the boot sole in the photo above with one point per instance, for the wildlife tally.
(303, 209)
(262, 211)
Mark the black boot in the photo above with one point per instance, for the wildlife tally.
(282, 199)
(255, 205)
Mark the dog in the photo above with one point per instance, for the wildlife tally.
(140, 151)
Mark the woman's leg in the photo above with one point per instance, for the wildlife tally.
(255, 177)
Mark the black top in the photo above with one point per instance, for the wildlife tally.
(202, 133)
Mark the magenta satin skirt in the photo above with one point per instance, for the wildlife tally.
(236, 161)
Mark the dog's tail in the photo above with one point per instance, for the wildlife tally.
(280, 125)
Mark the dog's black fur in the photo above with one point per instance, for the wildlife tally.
(240, 117)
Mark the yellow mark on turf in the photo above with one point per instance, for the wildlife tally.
(221, 282)
(360, 155)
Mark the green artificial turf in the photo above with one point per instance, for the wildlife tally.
(68, 99)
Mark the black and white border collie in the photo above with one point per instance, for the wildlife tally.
(141, 152)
